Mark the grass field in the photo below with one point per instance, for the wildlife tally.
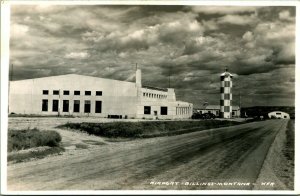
(20, 140)
(146, 129)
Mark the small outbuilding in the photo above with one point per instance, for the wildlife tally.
(279, 114)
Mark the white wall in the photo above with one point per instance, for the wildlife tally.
(118, 97)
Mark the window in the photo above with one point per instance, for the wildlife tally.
(66, 92)
(76, 92)
(45, 105)
(144, 94)
(98, 93)
(76, 106)
(227, 83)
(233, 113)
(278, 113)
(98, 106)
(87, 106)
(226, 108)
(227, 96)
(55, 92)
(164, 110)
(45, 92)
(65, 105)
(147, 109)
(87, 93)
(55, 106)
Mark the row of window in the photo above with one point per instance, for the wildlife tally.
(66, 92)
(152, 95)
(76, 106)
(163, 110)
(182, 110)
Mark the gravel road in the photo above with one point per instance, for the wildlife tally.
(224, 155)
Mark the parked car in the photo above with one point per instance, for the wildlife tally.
(203, 116)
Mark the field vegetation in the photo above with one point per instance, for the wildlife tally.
(20, 140)
(146, 129)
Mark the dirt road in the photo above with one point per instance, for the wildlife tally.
(225, 155)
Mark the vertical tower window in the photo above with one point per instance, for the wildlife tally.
(226, 108)
(227, 83)
(76, 106)
(45, 105)
(65, 105)
(55, 105)
(87, 106)
(98, 106)
(227, 96)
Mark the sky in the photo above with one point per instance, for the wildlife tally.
(191, 45)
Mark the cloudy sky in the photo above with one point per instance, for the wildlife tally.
(193, 44)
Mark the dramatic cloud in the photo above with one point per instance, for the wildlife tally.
(191, 45)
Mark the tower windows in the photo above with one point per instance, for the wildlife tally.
(227, 96)
(226, 108)
(227, 83)
(55, 92)
(87, 93)
(45, 92)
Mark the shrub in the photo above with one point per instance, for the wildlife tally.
(146, 129)
(24, 139)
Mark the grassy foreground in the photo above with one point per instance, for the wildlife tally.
(20, 140)
(146, 129)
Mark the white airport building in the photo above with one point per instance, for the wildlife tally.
(78, 95)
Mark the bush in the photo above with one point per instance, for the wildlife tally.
(24, 139)
(146, 129)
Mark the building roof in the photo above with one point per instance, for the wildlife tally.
(215, 107)
(155, 88)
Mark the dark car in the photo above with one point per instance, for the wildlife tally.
(203, 116)
(208, 116)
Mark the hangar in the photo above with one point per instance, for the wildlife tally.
(278, 114)
(79, 95)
